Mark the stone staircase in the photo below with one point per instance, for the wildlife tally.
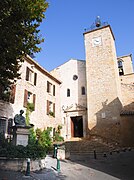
(88, 146)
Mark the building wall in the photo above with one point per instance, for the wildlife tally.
(39, 116)
(127, 129)
(127, 64)
(127, 89)
(103, 83)
(105, 92)
(66, 74)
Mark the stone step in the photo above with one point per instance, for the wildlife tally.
(88, 146)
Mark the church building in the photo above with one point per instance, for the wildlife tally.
(91, 97)
(97, 95)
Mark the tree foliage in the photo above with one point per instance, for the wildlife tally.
(19, 28)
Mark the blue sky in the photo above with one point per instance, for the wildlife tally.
(65, 23)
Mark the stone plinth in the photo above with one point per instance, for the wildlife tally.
(62, 154)
(20, 164)
(20, 135)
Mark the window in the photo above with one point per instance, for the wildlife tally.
(3, 123)
(50, 108)
(53, 90)
(35, 79)
(75, 77)
(31, 76)
(68, 92)
(49, 87)
(28, 75)
(10, 124)
(120, 67)
(83, 90)
(120, 64)
(29, 98)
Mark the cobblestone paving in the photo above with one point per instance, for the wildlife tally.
(118, 166)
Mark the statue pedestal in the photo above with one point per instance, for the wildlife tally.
(20, 135)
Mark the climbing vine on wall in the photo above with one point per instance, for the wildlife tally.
(30, 108)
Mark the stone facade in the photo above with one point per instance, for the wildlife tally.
(17, 164)
(39, 87)
(110, 87)
(126, 64)
(92, 97)
(127, 89)
(103, 83)
(73, 96)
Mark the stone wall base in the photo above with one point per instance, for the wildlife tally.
(17, 164)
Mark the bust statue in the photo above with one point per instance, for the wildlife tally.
(19, 119)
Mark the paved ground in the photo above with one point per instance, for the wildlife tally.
(113, 167)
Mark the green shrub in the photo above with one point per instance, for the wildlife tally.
(32, 136)
(30, 151)
(57, 137)
(39, 143)
(44, 137)
(30, 108)
(51, 114)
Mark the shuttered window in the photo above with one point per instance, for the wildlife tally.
(49, 87)
(31, 76)
(47, 107)
(35, 78)
(50, 108)
(54, 109)
(53, 90)
(3, 122)
(34, 98)
(27, 74)
(25, 98)
(29, 98)
(10, 124)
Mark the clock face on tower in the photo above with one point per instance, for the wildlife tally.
(96, 41)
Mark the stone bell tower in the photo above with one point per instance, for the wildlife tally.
(103, 84)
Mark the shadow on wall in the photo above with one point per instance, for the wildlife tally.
(108, 121)
(127, 125)
(115, 123)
